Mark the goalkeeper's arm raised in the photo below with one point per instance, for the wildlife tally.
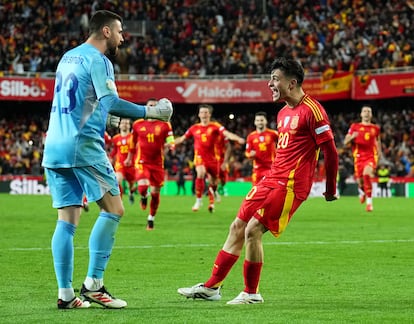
(123, 108)
(162, 110)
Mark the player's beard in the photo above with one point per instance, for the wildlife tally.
(112, 48)
(113, 51)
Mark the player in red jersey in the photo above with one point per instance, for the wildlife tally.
(119, 157)
(149, 139)
(261, 147)
(303, 130)
(206, 135)
(223, 152)
(366, 150)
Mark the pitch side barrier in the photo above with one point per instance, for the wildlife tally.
(331, 85)
(37, 185)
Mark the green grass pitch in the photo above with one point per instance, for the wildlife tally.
(335, 263)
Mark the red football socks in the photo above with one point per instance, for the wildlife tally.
(368, 186)
(251, 272)
(199, 187)
(155, 202)
(222, 266)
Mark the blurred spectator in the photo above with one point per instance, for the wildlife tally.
(188, 38)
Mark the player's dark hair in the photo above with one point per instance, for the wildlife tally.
(209, 107)
(102, 18)
(290, 68)
(261, 113)
(367, 106)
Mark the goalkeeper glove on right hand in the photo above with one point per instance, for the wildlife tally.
(113, 121)
(162, 110)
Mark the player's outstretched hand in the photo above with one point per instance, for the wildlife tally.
(163, 110)
(112, 121)
(330, 197)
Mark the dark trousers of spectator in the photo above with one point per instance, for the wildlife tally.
(181, 185)
(384, 188)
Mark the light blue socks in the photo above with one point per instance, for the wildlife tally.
(62, 251)
(101, 241)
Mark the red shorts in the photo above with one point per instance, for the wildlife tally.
(360, 164)
(155, 174)
(212, 168)
(273, 207)
(128, 173)
(258, 174)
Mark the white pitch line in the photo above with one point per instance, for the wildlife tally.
(213, 245)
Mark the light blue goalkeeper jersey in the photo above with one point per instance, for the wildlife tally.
(75, 136)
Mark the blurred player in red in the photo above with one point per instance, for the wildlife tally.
(366, 150)
(303, 130)
(206, 134)
(261, 147)
(124, 169)
(149, 140)
(223, 151)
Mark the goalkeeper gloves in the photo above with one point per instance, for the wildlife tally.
(162, 110)
(112, 121)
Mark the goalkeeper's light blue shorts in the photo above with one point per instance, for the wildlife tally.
(68, 185)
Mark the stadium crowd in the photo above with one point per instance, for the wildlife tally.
(196, 38)
(22, 136)
(189, 38)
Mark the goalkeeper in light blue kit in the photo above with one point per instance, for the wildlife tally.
(75, 161)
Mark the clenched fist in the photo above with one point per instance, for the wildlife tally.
(163, 110)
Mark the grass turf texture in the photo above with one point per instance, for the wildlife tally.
(335, 263)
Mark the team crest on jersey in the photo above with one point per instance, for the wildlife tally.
(123, 141)
(157, 130)
(261, 138)
(294, 122)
